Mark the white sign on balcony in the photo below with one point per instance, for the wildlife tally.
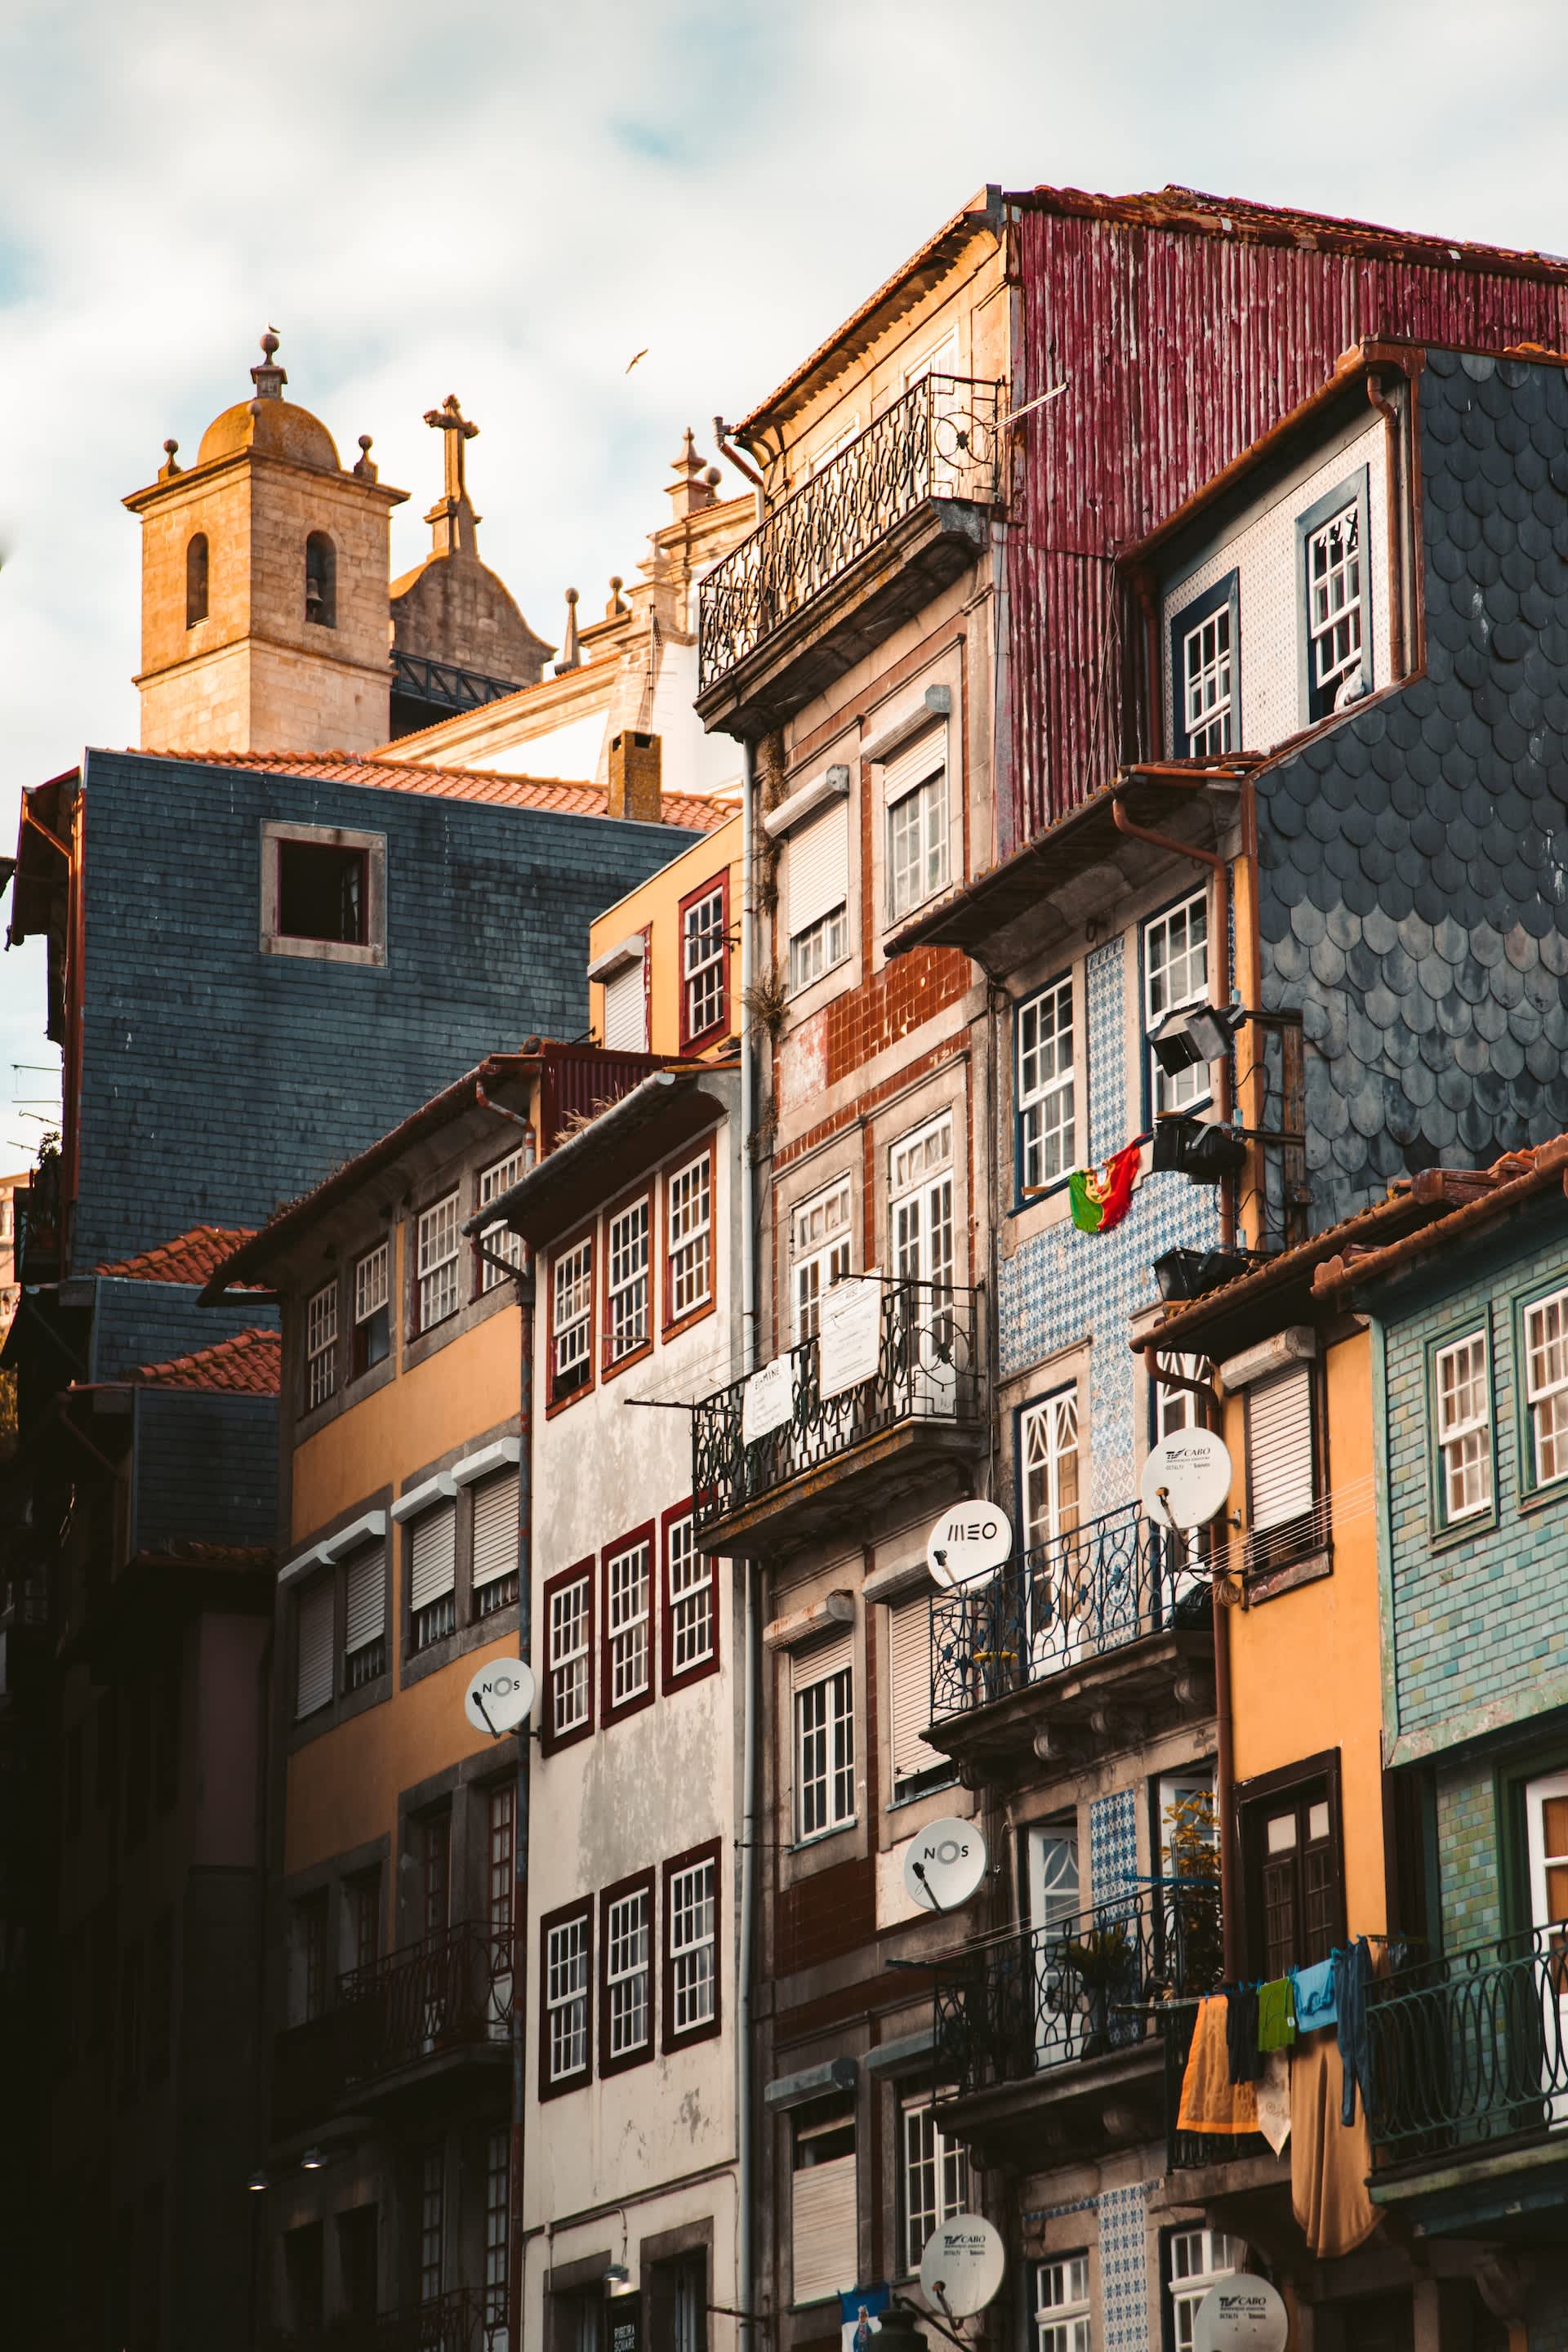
(850, 1339)
(768, 1400)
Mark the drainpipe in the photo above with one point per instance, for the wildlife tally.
(751, 1744)
(525, 1761)
(1385, 408)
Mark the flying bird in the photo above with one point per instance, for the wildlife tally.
(633, 360)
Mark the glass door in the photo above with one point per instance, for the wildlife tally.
(1546, 1817)
(1048, 1446)
(920, 1203)
(1051, 1879)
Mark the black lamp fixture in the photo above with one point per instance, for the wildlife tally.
(1197, 1148)
(1193, 1274)
(1189, 1039)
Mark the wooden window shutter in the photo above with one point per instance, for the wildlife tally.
(626, 1010)
(909, 1645)
(314, 1685)
(495, 1527)
(365, 1598)
(433, 1566)
(823, 2239)
(818, 877)
(1279, 1479)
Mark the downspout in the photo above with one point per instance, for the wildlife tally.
(524, 1278)
(751, 1744)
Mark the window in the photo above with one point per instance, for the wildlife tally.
(310, 1956)
(495, 1570)
(626, 1009)
(817, 885)
(320, 1346)
(313, 1620)
(432, 2223)
(161, 1998)
(914, 793)
(692, 1948)
(921, 1198)
(689, 1197)
(627, 1316)
(824, 1739)
(1196, 2260)
(1047, 1130)
(628, 1624)
(195, 578)
(1206, 700)
(820, 1254)
(824, 2253)
(1285, 1523)
(372, 1312)
(691, 1602)
(1463, 1388)
(359, 2261)
(498, 2235)
(909, 1657)
(362, 1893)
(569, 1632)
(501, 1868)
(567, 1939)
(626, 1960)
(433, 1834)
(437, 1243)
(432, 1575)
(1176, 973)
(496, 1239)
(1047, 1449)
(322, 892)
(1061, 2305)
(321, 580)
(704, 952)
(1546, 1387)
(572, 1321)
(1292, 1879)
(936, 2178)
(1334, 609)
(676, 2302)
(364, 1617)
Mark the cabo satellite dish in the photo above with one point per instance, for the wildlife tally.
(943, 1864)
(499, 1695)
(968, 1544)
(1186, 1478)
(1243, 2313)
(962, 2266)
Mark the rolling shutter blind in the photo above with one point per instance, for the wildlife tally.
(365, 1599)
(434, 1548)
(818, 867)
(823, 1658)
(1280, 1447)
(494, 1527)
(625, 1029)
(908, 1643)
(314, 1687)
(926, 756)
(822, 2251)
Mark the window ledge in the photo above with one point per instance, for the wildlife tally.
(927, 1784)
(1540, 1498)
(821, 1837)
(1267, 1583)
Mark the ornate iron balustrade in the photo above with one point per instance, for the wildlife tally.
(1115, 1581)
(1082, 1988)
(466, 2320)
(447, 684)
(1470, 2051)
(451, 1990)
(940, 440)
(926, 1370)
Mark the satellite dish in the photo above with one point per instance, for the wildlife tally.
(968, 1544)
(962, 2266)
(943, 1864)
(1243, 2313)
(1186, 1478)
(499, 1695)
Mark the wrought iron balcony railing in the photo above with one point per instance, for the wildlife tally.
(1080, 1988)
(939, 440)
(926, 1370)
(466, 2320)
(1470, 2051)
(452, 1990)
(1114, 1580)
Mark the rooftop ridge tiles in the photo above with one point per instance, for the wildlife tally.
(249, 1363)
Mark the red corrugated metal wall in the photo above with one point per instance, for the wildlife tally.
(1181, 349)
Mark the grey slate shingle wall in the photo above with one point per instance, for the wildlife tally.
(207, 1468)
(137, 1323)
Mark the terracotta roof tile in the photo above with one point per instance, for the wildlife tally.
(249, 1364)
(556, 793)
(189, 1257)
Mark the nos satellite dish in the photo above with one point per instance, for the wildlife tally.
(968, 1543)
(1186, 1478)
(943, 1864)
(1241, 2314)
(499, 1695)
(962, 2266)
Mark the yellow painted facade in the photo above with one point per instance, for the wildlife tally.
(652, 913)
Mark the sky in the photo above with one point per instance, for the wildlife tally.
(508, 202)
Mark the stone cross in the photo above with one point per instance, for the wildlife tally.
(449, 419)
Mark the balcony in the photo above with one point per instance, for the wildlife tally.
(1468, 2116)
(1051, 2034)
(841, 563)
(916, 1413)
(1099, 1636)
(464, 2321)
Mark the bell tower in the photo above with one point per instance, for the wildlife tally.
(265, 605)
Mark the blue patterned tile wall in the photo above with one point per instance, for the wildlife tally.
(1113, 1844)
(1124, 2268)
(1108, 1124)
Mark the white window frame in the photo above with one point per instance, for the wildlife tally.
(822, 1717)
(688, 1237)
(628, 1623)
(1190, 1088)
(691, 1911)
(628, 1253)
(1461, 1396)
(1063, 2320)
(498, 2234)
(628, 1972)
(1198, 2259)
(1546, 1386)
(934, 2176)
(1049, 1435)
(821, 1251)
(568, 1954)
(498, 1240)
(373, 1291)
(1208, 684)
(572, 1289)
(1048, 1088)
(570, 1655)
(920, 1205)
(703, 949)
(818, 949)
(916, 823)
(691, 1597)
(1335, 629)
(321, 1346)
(439, 1250)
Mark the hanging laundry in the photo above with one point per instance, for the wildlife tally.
(1314, 1989)
(1353, 1965)
(1241, 2034)
(1275, 2015)
(1329, 2161)
(1274, 2099)
(1101, 1197)
(1211, 2102)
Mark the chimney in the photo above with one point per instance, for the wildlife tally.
(635, 765)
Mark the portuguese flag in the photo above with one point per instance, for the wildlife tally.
(1101, 1197)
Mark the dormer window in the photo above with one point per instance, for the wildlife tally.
(1334, 602)
(1206, 686)
(195, 578)
(321, 580)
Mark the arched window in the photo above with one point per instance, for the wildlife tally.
(321, 580)
(195, 578)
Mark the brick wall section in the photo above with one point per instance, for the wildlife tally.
(827, 1915)
(894, 1002)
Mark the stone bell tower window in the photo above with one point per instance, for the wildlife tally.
(321, 580)
(195, 578)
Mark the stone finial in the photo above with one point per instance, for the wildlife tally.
(365, 469)
(571, 650)
(167, 471)
(452, 518)
(268, 379)
(617, 604)
(449, 419)
(689, 492)
(713, 478)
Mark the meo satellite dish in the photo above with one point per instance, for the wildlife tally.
(962, 2266)
(1186, 1478)
(499, 1697)
(968, 1544)
(943, 1864)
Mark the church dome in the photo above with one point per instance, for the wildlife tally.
(269, 424)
